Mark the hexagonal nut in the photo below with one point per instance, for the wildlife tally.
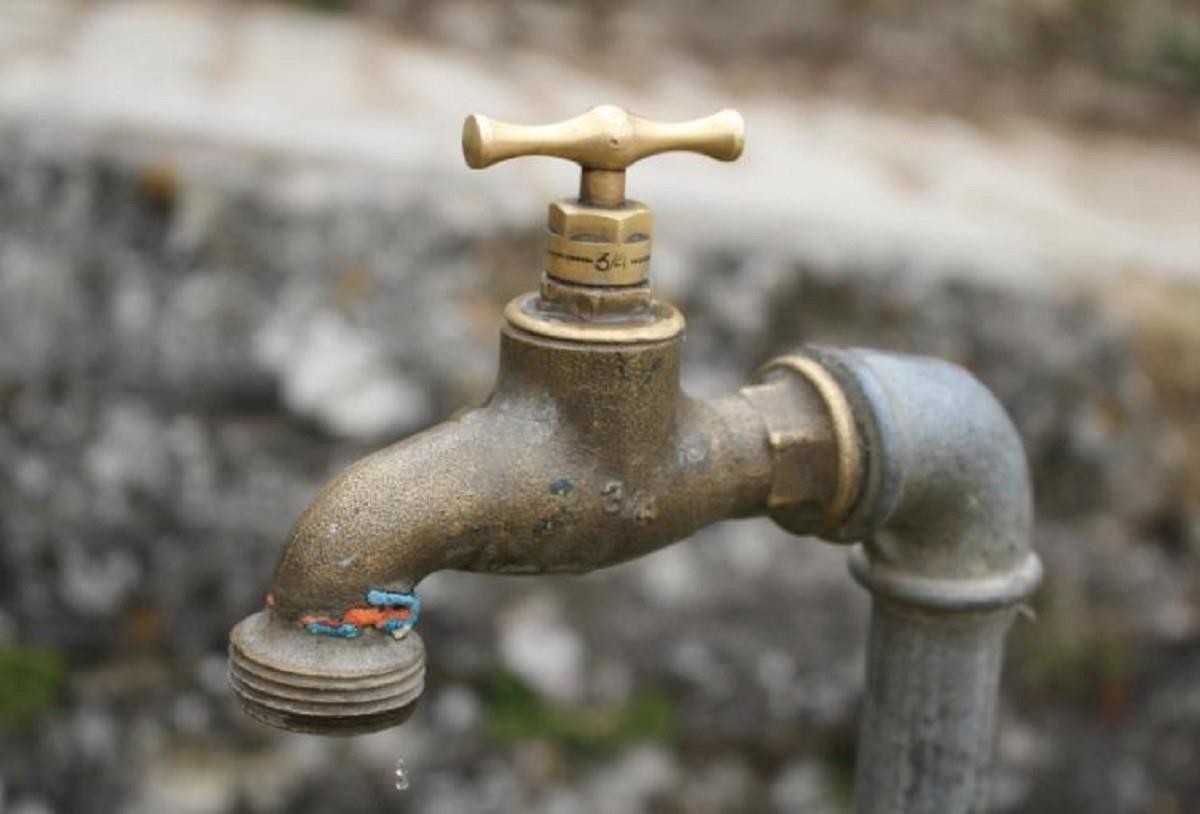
(595, 302)
(808, 477)
(576, 221)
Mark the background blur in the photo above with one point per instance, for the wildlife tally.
(239, 248)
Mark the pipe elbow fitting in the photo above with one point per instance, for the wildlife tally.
(945, 509)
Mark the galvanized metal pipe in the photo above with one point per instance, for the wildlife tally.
(946, 514)
(928, 711)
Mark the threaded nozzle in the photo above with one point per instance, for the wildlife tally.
(289, 678)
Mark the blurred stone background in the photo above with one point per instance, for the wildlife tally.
(238, 249)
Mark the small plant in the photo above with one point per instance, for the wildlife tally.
(30, 681)
(1179, 52)
(516, 713)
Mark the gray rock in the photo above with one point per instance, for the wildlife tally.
(804, 785)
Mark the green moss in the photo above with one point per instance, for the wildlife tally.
(1085, 658)
(331, 6)
(516, 713)
(1179, 51)
(840, 755)
(30, 681)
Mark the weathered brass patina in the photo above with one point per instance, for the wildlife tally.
(588, 453)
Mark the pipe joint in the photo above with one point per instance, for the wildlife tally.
(944, 516)
(945, 509)
(816, 449)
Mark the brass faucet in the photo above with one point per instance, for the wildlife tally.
(588, 453)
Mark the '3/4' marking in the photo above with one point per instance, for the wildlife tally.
(609, 260)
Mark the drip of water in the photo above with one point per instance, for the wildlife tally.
(402, 781)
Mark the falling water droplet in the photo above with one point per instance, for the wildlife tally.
(402, 782)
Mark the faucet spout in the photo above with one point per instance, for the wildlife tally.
(584, 456)
(426, 503)
(580, 459)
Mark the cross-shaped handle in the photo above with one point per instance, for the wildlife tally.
(603, 142)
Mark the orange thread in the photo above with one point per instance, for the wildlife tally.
(364, 617)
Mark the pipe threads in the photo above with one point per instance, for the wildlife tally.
(288, 678)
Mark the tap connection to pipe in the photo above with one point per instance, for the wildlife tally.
(589, 453)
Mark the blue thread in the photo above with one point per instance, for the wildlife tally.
(388, 598)
(376, 598)
(342, 631)
(561, 487)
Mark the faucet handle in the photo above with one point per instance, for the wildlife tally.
(603, 141)
(601, 239)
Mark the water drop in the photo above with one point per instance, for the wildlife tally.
(402, 781)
